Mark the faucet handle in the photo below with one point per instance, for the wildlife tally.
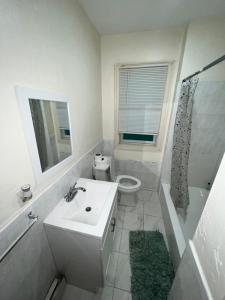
(66, 196)
(74, 185)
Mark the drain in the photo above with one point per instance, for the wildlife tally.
(88, 208)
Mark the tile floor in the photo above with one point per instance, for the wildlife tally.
(146, 215)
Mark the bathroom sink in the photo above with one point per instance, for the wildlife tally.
(88, 205)
(89, 211)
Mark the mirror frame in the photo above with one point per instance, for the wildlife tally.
(23, 95)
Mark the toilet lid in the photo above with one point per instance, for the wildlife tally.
(130, 182)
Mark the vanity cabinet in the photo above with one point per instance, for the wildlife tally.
(84, 258)
(107, 242)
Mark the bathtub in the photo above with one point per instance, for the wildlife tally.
(178, 231)
(197, 197)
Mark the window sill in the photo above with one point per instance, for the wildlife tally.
(138, 147)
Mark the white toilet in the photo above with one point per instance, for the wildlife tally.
(128, 185)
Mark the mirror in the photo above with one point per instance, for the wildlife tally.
(47, 127)
(52, 131)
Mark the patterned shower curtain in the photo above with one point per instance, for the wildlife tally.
(181, 146)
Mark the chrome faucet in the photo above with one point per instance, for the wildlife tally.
(73, 191)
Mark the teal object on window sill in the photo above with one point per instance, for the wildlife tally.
(138, 137)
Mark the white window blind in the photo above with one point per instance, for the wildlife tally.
(141, 95)
(62, 113)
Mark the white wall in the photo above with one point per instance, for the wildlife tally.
(48, 45)
(208, 127)
(142, 47)
(205, 42)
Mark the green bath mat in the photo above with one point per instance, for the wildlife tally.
(151, 266)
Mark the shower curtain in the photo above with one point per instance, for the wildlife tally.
(181, 146)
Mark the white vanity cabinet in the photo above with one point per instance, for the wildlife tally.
(107, 241)
(82, 251)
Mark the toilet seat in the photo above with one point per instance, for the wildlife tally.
(128, 184)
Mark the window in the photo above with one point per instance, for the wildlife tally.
(141, 96)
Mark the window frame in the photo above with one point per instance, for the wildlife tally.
(157, 145)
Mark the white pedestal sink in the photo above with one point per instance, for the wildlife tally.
(81, 233)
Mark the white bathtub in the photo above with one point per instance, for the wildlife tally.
(197, 197)
(173, 229)
(178, 231)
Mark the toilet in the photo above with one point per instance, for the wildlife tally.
(128, 186)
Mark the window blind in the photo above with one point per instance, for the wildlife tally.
(62, 112)
(141, 95)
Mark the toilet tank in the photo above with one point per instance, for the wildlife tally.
(105, 170)
(99, 174)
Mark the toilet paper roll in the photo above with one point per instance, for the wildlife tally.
(98, 157)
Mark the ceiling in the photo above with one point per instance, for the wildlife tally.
(117, 16)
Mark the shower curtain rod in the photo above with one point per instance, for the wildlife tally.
(212, 64)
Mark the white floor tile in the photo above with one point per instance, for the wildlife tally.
(74, 293)
(137, 209)
(152, 206)
(121, 207)
(120, 218)
(105, 294)
(133, 221)
(117, 239)
(127, 199)
(121, 295)
(124, 244)
(123, 273)
(111, 272)
(153, 223)
(144, 195)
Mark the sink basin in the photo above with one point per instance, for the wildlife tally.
(89, 211)
(88, 205)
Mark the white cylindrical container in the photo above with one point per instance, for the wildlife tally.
(26, 192)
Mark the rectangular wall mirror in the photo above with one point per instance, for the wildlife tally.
(48, 130)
